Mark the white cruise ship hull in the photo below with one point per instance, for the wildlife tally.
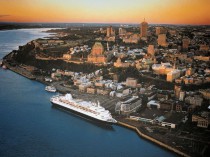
(82, 114)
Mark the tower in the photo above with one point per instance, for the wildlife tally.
(110, 31)
(185, 43)
(160, 30)
(162, 40)
(107, 46)
(143, 29)
(151, 50)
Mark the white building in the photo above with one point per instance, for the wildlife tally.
(153, 103)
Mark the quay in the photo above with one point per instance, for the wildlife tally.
(151, 139)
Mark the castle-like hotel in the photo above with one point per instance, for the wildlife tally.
(97, 54)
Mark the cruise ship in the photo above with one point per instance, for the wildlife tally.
(87, 109)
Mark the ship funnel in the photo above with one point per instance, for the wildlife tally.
(98, 103)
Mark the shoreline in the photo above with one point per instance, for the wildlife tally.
(144, 136)
(23, 72)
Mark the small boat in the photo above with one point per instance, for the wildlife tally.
(50, 88)
(4, 67)
(47, 79)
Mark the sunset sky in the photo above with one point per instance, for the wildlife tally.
(106, 11)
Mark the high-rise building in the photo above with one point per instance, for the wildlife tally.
(110, 31)
(151, 50)
(185, 43)
(162, 40)
(172, 32)
(143, 29)
(160, 30)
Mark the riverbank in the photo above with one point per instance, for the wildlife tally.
(142, 135)
(106, 101)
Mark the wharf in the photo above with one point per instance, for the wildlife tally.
(143, 135)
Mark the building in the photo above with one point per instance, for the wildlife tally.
(167, 105)
(202, 58)
(202, 120)
(205, 93)
(97, 54)
(67, 56)
(194, 101)
(189, 72)
(102, 91)
(172, 75)
(163, 95)
(185, 43)
(128, 106)
(177, 90)
(153, 104)
(204, 47)
(162, 69)
(122, 31)
(91, 90)
(100, 84)
(160, 30)
(110, 31)
(133, 38)
(151, 50)
(131, 82)
(178, 107)
(143, 29)
(182, 95)
(162, 40)
(173, 32)
(119, 63)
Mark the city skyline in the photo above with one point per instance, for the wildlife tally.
(193, 12)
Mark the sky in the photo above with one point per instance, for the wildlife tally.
(106, 11)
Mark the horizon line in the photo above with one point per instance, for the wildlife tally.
(101, 23)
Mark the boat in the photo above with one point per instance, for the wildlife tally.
(47, 79)
(4, 66)
(50, 88)
(90, 110)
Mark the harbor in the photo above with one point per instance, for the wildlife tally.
(107, 102)
(33, 127)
